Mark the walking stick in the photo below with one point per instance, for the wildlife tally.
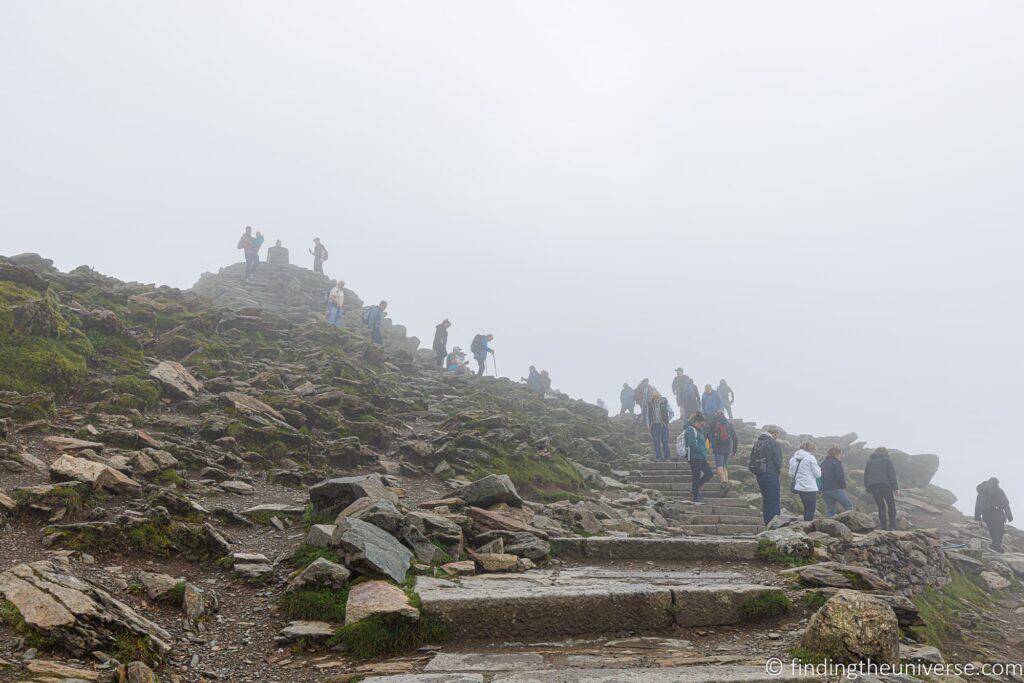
(495, 359)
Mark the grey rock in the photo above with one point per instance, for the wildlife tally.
(321, 573)
(371, 549)
(492, 489)
(337, 494)
(527, 545)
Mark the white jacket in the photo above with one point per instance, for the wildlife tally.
(338, 297)
(804, 467)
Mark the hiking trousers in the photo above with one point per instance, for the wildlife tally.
(810, 501)
(659, 436)
(996, 529)
(836, 496)
(882, 493)
(702, 474)
(771, 495)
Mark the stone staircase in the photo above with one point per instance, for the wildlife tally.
(722, 513)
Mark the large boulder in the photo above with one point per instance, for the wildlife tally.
(320, 573)
(176, 380)
(853, 627)
(334, 495)
(79, 615)
(857, 522)
(99, 476)
(492, 489)
(787, 542)
(838, 575)
(365, 547)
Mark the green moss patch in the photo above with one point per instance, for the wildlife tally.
(767, 605)
(10, 615)
(306, 554)
(942, 608)
(316, 605)
(547, 474)
(769, 552)
(379, 635)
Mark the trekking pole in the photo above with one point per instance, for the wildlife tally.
(495, 359)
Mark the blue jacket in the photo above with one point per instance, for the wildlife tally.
(711, 403)
(374, 317)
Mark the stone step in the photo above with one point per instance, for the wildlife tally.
(671, 465)
(662, 478)
(498, 607)
(722, 673)
(724, 529)
(684, 486)
(687, 505)
(679, 548)
(709, 494)
(711, 518)
(532, 667)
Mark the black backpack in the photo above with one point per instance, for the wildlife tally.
(758, 463)
(477, 347)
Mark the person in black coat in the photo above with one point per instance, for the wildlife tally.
(441, 342)
(880, 481)
(833, 482)
(993, 509)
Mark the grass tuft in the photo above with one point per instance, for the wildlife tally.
(316, 605)
(767, 605)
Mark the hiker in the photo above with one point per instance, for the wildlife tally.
(480, 348)
(691, 398)
(642, 395)
(545, 382)
(277, 255)
(257, 243)
(626, 399)
(374, 316)
(804, 471)
(602, 405)
(658, 416)
(697, 453)
(319, 253)
(678, 383)
(766, 464)
(880, 481)
(710, 402)
(441, 342)
(833, 482)
(247, 243)
(456, 361)
(335, 301)
(534, 382)
(992, 509)
(725, 393)
(724, 443)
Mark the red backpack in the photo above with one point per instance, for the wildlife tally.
(721, 433)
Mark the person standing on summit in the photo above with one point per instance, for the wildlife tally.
(627, 401)
(480, 348)
(678, 384)
(728, 397)
(691, 398)
(993, 509)
(319, 254)
(880, 481)
(247, 243)
(335, 303)
(441, 342)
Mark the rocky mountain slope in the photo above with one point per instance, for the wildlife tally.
(216, 485)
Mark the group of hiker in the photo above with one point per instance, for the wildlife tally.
(455, 361)
(688, 397)
(250, 244)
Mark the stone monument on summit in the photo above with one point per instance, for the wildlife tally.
(277, 255)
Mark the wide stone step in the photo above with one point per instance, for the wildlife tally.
(663, 479)
(684, 486)
(546, 605)
(715, 494)
(724, 529)
(711, 518)
(671, 465)
(723, 673)
(679, 548)
(688, 506)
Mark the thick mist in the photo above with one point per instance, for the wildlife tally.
(821, 204)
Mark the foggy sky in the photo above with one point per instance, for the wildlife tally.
(820, 202)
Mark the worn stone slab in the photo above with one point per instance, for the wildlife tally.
(481, 661)
(715, 605)
(679, 548)
(686, 674)
(429, 678)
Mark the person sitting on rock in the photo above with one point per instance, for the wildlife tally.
(319, 253)
(627, 400)
(441, 342)
(247, 243)
(697, 452)
(880, 481)
(456, 361)
(710, 402)
(659, 414)
(833, 482)
(804, 472)
(992, 509)
(480, 348)
(374, 316)
(724, 443)
(726, 394)
(335, 302)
